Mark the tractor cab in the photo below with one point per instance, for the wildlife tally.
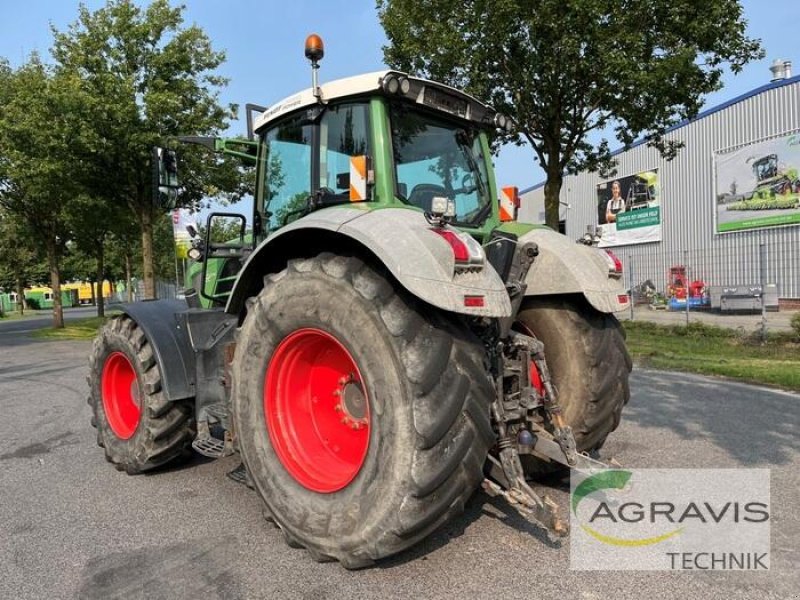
(378, 140)
(383, 138)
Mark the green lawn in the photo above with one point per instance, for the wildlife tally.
(28, 314)
(716, 351)
(79, 329)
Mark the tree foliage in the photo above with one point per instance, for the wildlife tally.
(21, 264)
(41, 117)
(148, 77)
(565, 68)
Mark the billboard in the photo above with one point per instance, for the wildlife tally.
(629, 209)
(758, 185)
(182, 220)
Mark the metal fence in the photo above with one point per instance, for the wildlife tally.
(165, 290)
(710, 285)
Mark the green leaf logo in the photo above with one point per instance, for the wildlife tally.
(615, 480)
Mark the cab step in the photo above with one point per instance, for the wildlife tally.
(208, 445)
(240, 475)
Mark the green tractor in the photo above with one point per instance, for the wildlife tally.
(773, 179)
(381, 344)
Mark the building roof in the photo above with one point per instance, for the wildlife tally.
(701, 115)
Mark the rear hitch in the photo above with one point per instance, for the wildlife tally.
(521, 497)
(530, 421)
(509, 477)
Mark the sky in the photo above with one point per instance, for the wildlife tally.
(263, 40)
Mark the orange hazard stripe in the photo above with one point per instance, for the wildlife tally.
(358, 167)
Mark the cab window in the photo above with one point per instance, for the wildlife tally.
(288, 171)
(344, 133)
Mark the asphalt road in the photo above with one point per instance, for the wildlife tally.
(73, 527)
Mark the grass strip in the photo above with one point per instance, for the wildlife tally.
(710, 350)
(78, 329)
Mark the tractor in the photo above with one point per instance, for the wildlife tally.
(773, 178)
(376, 344)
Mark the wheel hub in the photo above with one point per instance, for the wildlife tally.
(353, 403)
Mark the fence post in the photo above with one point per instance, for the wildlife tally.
(630, 280)
(686, 283)
(762, 251)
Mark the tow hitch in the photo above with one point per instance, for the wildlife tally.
(530, 421)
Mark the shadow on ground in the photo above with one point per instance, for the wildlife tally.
(755, 426)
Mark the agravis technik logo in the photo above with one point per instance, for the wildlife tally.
(716, 519)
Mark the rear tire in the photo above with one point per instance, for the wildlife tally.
(136, 425)
(589, 365)
(426, 423)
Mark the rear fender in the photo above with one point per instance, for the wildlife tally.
(564, 267)
(421, 261)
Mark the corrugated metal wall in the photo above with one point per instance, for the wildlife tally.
(688, 200)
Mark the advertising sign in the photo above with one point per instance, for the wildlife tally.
(759, 185)
(182, 220)
(671, 520)
(629, 209)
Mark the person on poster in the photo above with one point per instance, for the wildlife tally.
(616, 203)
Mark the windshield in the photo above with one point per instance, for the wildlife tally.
(433, 157)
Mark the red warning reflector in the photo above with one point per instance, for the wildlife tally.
(474, 301)
(460, 250)
(623, 298)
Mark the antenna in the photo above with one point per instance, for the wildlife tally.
(315, 50)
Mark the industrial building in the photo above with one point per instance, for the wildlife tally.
(727, 208)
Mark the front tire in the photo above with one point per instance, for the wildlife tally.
(589, 365)
(136, 425)
(360, 479)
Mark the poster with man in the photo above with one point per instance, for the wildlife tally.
(759, 185)
(629, 209)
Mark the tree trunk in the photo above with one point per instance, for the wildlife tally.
(55, 283)
(148, 275)
(20, 295)
(552, 194)
(101, 267)
(92, 295)
(128, 278)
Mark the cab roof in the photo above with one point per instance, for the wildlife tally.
(436, 96)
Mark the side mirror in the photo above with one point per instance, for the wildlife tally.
(225, 232)
(225, 239)
(165, 178)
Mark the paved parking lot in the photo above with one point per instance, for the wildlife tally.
(73, 527)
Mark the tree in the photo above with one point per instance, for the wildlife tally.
(149, 78)
(40, 125)
(562, 69)
(20, 263)
(92, 221)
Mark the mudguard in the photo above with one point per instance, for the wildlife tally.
(564, 267)
(421, 261)
(165, 329)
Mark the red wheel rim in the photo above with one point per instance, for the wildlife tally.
(317, 410)
(120, 390)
